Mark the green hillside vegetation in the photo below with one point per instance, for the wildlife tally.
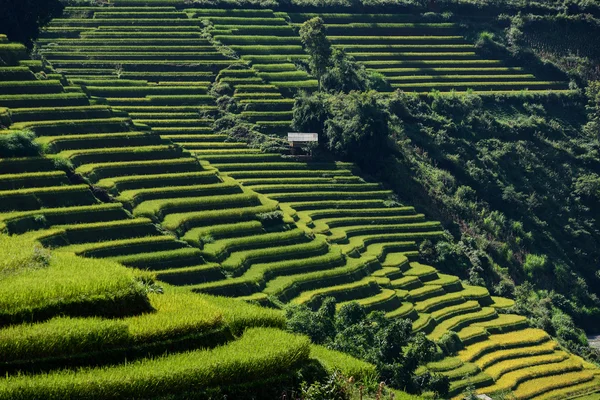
(167, 243)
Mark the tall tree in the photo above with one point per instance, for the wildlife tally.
(21, 20)
(312, 35)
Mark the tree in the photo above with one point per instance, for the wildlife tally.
(318, 47)
(21, 20)
(358, 128)
(344, 74)
(593, 107)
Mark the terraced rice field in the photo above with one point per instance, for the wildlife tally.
(418, 56)
(128, 106)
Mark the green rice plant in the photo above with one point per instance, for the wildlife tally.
(63, 127)
(520, 338)
(267, 49)
(466, 369)
(344, 292)
(45, 197)
(258, 353)
(513, 379)
(348, 39)
(223, 248)
(460, 321)
(60, 113)
(124, 246)
(502, 302)
(161, 260)
(341, 234)
(245, 20)
(256, 277)
(182, 222)
(97, 171)
(158, 209)
(406, 310)
(284, 75)
(16, 74)
(120, 154)
(299, 178)
(137, 196)
(30, 87)
(38, 285)
(135, 182)
(566, 386)
(198, 12)
(458, 78)
(335, 186)
(44, 100)
(449, 311)
(267, 104)
(472, 334)
(481, 379)
(522, 352)
(386, 300)
(288, 287)
(425, 292)
(274, 59)
(441, 303)
(445, 365)
(21, 222)
(337, 361)
(282, 67)
(32, 179)
(517, 85)
(359, 243)
(317, 196)
(194, 236)
(254, 39)
(424, 323)
(504, 323)
(325, 224)
(149, 13)
(504, 367)
(240, 261)
(61, 336)
(141, 91)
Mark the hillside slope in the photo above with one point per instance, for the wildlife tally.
(215, 216)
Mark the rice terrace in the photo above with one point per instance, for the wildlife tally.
(300, 199)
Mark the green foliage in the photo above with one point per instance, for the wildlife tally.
(19, 144)
(316, 43)
(450, 343)
(259, 353)
(535, 264)
(388, 344)
(36, 285)
(355, 125)
(593, 93)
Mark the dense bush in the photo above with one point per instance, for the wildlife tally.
(354, 126)
(19, 144)
(388, 344)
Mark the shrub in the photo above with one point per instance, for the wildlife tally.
(270, 218)
(450, 343)
(19, 144)
(535, 264)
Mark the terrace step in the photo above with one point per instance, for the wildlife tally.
(136, 182)
(93, 232)
(45, 197)
(125, 247)
(32, 180)
(100, 140)
(99, 171)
